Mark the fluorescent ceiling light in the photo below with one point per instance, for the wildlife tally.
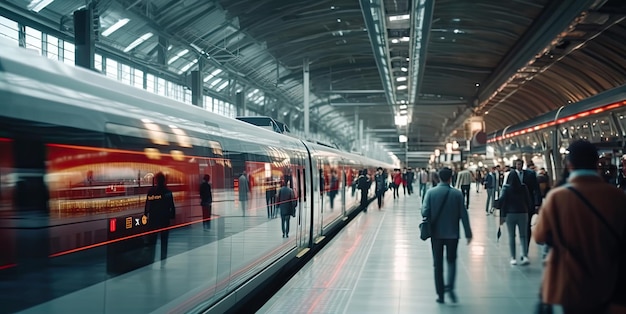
(401, 79)
(402, 138)
(115, 27)
(399, 17)
(401, 87)
(403, 107)
(404, 69)
(38, 5)
(405, 38)
(138, 42)
(177, 56)
(395, 41)
(404, 111)
(401, 120)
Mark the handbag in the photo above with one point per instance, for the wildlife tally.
(425, 225)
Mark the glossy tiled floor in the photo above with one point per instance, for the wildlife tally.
(378, 264)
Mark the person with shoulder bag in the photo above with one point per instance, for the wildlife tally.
(442, 209)
(584, 221)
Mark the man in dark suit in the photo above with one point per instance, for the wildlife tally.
(160, 210)
(528, 178)
(443, 205)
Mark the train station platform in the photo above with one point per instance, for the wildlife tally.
(378, 264)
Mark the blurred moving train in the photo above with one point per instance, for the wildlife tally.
(543, 140)
(78, 153)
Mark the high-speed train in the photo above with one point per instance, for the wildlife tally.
(78, 153)
(543, 140)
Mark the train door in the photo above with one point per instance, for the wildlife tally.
(303, 217)
(343, 184)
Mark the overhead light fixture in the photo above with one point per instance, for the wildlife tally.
(401, 120)
(399, 17)
(395, 41)
(401, 87)
(402, 107)
(138, 42)
(403, 111)
(115, 27)
(405, 39)
(402, 139)
(38, 5)
(404, 69)
(401, 79)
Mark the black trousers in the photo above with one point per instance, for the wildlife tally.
(364, 199)
(451, 248)
(206, 216)
(164, 234)
(379, 198)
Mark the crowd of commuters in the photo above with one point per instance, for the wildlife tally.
(582, 218)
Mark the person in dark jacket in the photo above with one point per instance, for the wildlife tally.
(363, 184)
(443, 205)
(206, 201)
(285, 200)
(381, 186)
(270, 198)
(514, 208)
(334, 188)
(160, 210)
(490, 185)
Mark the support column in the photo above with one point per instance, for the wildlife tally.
(162, 51)
(305, 74)
(196, 89)
(361, 135)
(356, 126)
(84, 38)
(240, 103)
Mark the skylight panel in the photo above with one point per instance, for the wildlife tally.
(177, 56)
(138, 42)
(215, 83)
(188, 66)
(38, 5)
(115, 27)
(219, 88)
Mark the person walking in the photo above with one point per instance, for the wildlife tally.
(363, 184)
(464, 179)
(285, 200)
(528, 178)
(424, 180)
(490, 185)
(397, 180)
(584, 221)
(160, 210)
(243, 192)
(514, 208)
(206, 201)
(381, 185)
(445, 203)
(334, 188)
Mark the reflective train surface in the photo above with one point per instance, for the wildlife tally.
(543, 140)
(78, 153)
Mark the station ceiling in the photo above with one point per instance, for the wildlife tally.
(434, 63)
